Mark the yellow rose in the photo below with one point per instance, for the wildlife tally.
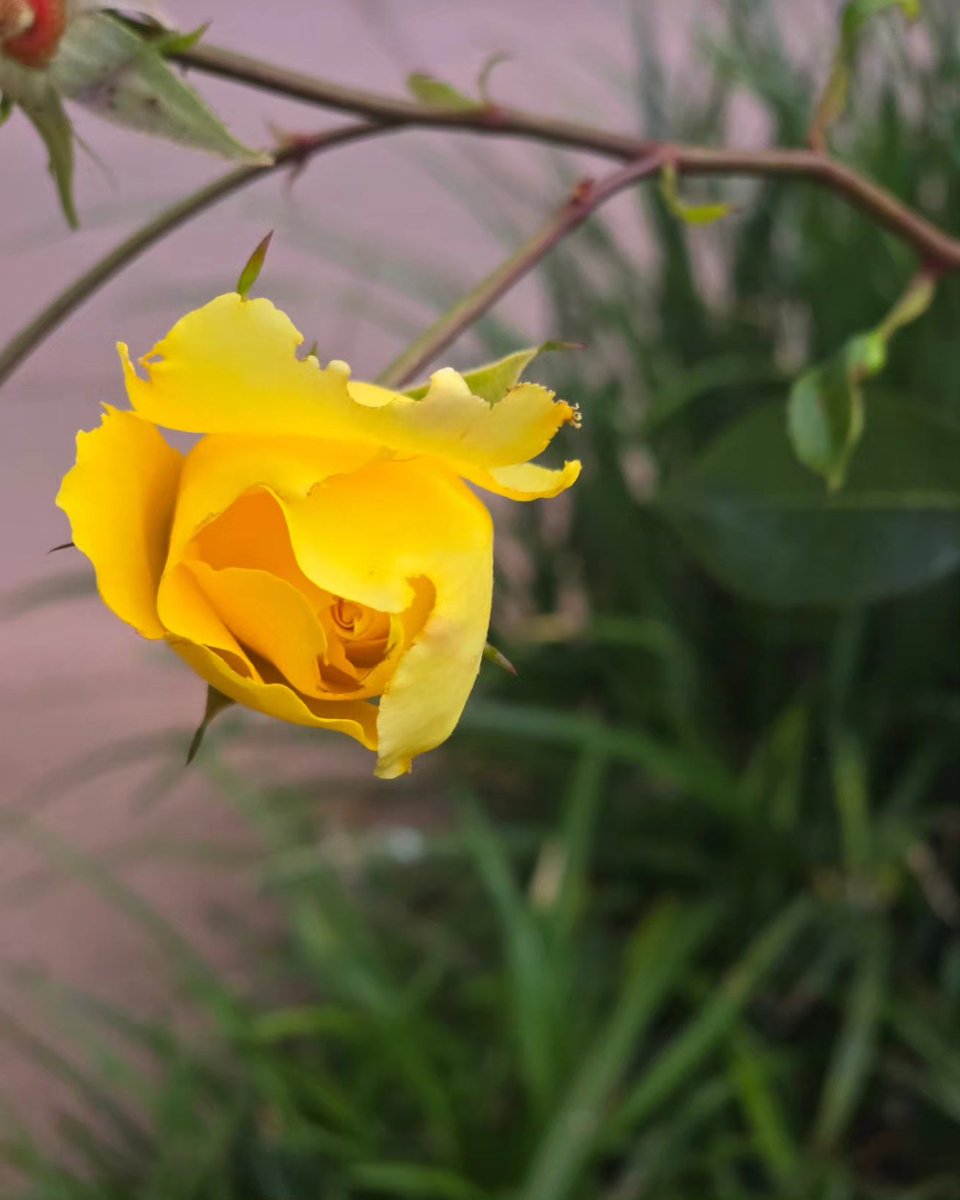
(317, 555)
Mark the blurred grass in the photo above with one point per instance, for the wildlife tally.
(692, 929)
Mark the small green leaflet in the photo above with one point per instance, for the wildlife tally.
(436, 94)
(825, 408)
(690, 214)
(492, 381)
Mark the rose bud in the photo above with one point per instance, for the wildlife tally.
(318, 555)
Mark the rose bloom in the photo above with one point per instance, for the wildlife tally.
(317, 556)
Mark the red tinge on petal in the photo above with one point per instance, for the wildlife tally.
(37, 44)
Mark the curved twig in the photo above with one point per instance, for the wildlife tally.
(930, 242)
(585, 199)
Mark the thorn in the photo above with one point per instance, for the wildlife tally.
(62, 546)
(582, 191)
(499, 659)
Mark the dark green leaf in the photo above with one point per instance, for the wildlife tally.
(765, 527)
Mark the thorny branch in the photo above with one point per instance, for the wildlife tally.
(938, 250)
(930, 242)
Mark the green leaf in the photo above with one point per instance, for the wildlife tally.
(825, 407)
(216, 703)
(690, 214)
(492, 381)
(436, 94)
(253, 266)
(764, 526)
(103, 65)
(6, 108)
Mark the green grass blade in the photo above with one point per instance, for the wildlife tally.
(854, 1053)
(661, 951)
(675, 1065)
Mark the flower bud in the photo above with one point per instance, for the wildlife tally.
(30, 30)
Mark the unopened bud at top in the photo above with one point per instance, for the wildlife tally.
(30, 30)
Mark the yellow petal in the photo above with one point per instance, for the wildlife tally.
(120, 500)
(527, 481)
(268, 616)
(370, 536)
(187, 615)
(356, 718)
(222, 468)
(402, 537)
(231, 368)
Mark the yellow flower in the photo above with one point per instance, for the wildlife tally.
(317, 555)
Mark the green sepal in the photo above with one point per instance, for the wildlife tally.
(492, 381)
(45, 111)
(253, 266)
(492, 655)
(121, 76)
(216, 703)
